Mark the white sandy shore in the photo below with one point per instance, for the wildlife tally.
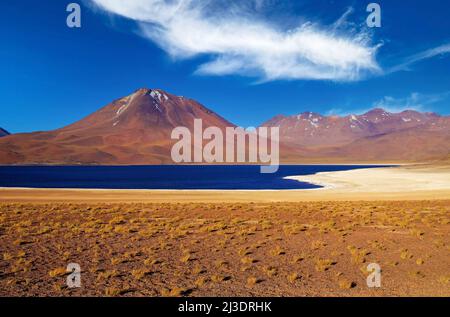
(392, 179)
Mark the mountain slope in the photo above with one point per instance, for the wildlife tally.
(135, 129)
(312, 129)
(3, 132)
(377, 135)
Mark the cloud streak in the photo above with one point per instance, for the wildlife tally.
(238, 41)
(430, 53)
(415, 101)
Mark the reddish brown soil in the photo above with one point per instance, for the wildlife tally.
(216, 249)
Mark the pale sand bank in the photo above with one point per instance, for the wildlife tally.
(395, 183)
(373, 180)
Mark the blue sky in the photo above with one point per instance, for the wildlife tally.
(246, 60)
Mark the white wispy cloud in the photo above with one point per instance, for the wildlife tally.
(415, 101)
(343, 20)
(427, 54)
(239, 41)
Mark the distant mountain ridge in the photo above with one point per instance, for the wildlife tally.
(136, 129)
(312, 129)
(374, 135)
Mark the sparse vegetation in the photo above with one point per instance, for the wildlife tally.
(405, 254)
(61, 271)
(277, 251)
(251, 281)
(346, 284)
(169, 249)
(323, 265)
(298, 258)
(293, 277)
(139, 273)
(270, 271)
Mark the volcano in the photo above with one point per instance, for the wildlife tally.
(135, 129)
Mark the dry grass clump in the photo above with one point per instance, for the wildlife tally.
(377, 245)
(60, 271)
(105, 275)
(248, 260)
(405, 254)
(346, 284)
(139, 273)
(270, 271)
(186, 258)
(116, 261)
(214, 227)
(444, 221)
(294, 229)
(220, 263)
(252, 281)
(117, 220)
(217, 278)
(244, 251)
(323, 265)
(7, 256)
(327, 226)
(200, 282)
(21, 265)
(318, 244)
(420, 261)
(114, 291)
(444, 279)
(266, 225)
(416, 274)
(198, 270)
(417, 233)
(245, 268)
(357, 256)
(298, 258)
(174, 292)
(439, 243)
(152, 261)
(293, 277)
(277, 251)
(22, 241)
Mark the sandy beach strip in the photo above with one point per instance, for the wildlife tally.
(394, 179)
(392, 183)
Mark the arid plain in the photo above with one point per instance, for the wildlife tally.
(234, 243)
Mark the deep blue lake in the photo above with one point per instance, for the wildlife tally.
(161, 176)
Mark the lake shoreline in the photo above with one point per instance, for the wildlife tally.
(393, 183)
(163, 177)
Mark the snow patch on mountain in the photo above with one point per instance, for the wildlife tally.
(155, 104)
(158, 95)
(127, 102)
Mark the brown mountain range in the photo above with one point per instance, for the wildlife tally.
(377, 135)
(136, 129)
